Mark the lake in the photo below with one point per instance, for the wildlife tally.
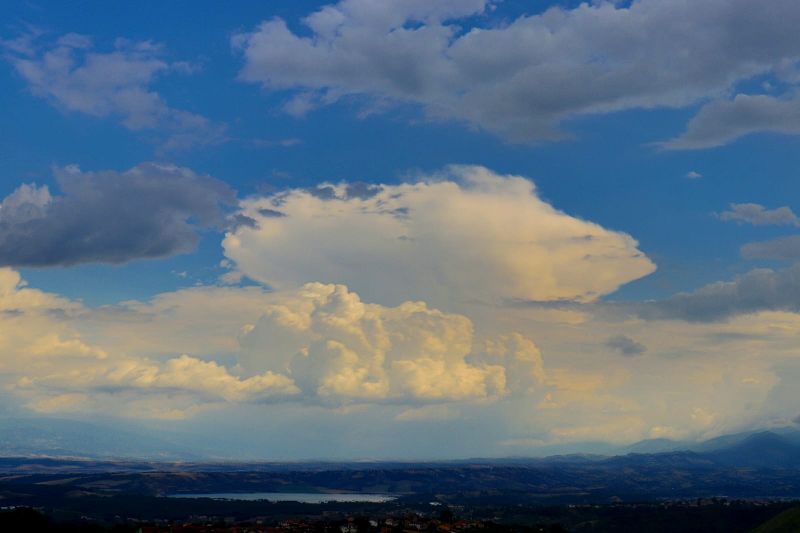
(302, 497)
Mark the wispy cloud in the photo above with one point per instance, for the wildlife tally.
(758, 215)
(73, 76)
(723, 121)
(781, 248)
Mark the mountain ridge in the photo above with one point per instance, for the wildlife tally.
(61, 440)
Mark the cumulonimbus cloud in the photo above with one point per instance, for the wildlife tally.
(521, 79)
(337, 347)
(318, 344)
(466, 235)
(148, 211)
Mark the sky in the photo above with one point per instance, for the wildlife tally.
(407, 229)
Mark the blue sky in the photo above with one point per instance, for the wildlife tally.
(583, 114)
(609, 172)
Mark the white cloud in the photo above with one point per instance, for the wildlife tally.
(337, 347)
(184, 373)
(723, 377)
(464, 236)
(521, 79)
(15, 296)
(316, 344)
(329, 349)
(58, 355)
(321, 349)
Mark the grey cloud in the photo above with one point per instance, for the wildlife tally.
(522, 79)
(626, 345)
(109, 217)
(270, 213)
(722, 122)
(757, 290)
(362, 190)
(74, 77)
(323, 192)
(238, 220)
(357, 189)
(782, 248)
(758, 215)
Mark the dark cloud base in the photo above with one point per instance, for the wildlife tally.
(110, 217)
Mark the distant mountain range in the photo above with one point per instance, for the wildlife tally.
(763, 464)
(791, 435)
(776, 448)
(66, 439)
(52, 437)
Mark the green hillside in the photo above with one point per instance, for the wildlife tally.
(786, 522)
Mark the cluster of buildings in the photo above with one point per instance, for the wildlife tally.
(410, 523)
